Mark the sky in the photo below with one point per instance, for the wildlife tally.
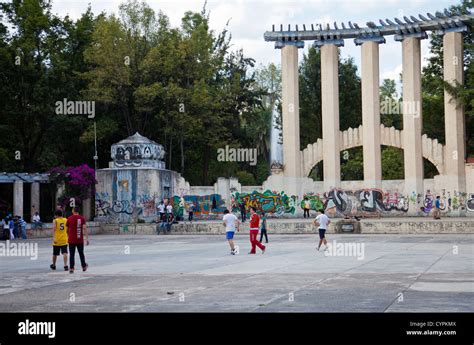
(249, 19)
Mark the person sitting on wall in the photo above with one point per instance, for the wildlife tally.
(170, 222)
(167, 222)
(37, 221)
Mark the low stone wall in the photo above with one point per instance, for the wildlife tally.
(366, 226)
(47, 231)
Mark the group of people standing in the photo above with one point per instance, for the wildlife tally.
(166, 218)
(13, 227)
(69, 232)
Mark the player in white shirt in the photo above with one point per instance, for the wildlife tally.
(322, 221)
(231, 223)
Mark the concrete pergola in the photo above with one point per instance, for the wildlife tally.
(450, 161)
(18, 179)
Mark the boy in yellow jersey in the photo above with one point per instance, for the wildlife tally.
(60, 239)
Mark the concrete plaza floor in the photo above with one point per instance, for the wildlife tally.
(195, 273)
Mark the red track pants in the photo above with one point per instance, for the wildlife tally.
(254, 242)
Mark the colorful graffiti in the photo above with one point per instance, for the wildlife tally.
(336, 202)
(315, 201)
(470, 203)
(147, 203)
(376, 201)
(204, 205)
(268, 202)
(102, 205)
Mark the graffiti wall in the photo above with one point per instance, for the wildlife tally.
(128, 207)
(268, 202)
(374, 201)
(205, 206)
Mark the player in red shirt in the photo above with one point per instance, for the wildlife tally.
(77, 231)
(254, 226)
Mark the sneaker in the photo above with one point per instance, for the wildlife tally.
(53, 267)
(71, 270)
(251, 253)
(263, 250)
(66, 268)
(85, 268)
(232, 252)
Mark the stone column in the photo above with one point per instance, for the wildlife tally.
(290, 110)
(455, 170)
(59, 191)
(330, 116)
(86, 208)
(18, 198)
(35, 198)
(412, 115)
(371, 115)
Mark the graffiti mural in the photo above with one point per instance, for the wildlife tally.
(470, 203)
(315, 201)
(345, 203)
(102, 205)
(268, 202)
(205, 205)
(148, 205)
(336, 202)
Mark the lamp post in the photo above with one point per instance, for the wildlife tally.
(96, 157)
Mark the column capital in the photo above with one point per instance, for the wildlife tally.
(462, 28)
(338, 42)
(281, 44)
(399, 37)
(374, 38)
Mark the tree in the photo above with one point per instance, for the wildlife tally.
(433, 85)
(389, 97)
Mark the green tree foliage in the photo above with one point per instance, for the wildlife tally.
(183, 87)
(389, 97)
(433, 85)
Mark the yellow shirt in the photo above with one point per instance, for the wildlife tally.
(60, 232)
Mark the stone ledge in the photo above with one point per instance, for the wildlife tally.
(372, 226)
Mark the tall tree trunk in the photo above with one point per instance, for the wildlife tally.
(182, 155)
(171, 151)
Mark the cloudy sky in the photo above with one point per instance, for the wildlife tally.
(249, 19)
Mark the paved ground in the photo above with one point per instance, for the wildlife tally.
(169, 273)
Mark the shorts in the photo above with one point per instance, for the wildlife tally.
(57, 249)
(322, 232)
(229, 235)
